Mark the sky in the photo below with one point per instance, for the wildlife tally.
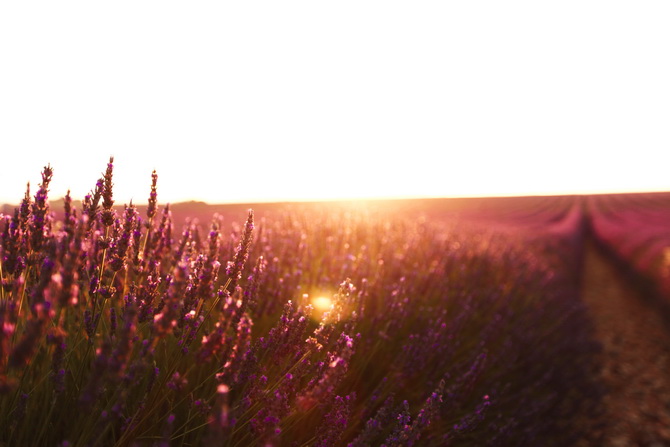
(260, 101)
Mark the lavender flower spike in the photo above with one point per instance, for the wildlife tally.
(92, 201)
(107, 201)
(151, 209)
(40, 211)
(125, 239)
(234, 268)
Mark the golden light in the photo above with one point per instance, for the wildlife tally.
(322, 304)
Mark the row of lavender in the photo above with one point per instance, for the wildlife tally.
(635, 227)
(317, 328)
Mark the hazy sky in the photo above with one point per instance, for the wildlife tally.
(285, 100)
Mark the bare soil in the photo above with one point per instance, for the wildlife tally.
(635, 361)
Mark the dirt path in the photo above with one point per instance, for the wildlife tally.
(635, 358)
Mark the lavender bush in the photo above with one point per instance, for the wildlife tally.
(119, 330)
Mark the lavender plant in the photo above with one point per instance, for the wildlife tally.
(114, 333)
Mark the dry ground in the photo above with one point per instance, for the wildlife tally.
(635, 335)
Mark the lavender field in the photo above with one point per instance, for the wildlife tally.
(294, 325)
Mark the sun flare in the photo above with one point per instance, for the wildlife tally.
(322, 304)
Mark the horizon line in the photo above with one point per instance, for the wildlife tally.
(374, 198)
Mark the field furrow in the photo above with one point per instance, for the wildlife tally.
(635, 359)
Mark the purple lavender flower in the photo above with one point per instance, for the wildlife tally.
(8, 320)
(70, 215)
(161, 239)
(56, 337)
(177, 382)
(24, 211)
(147, 294)
(402, 422)
(39, 291)
(136, 244)
(235, 351)
(254, 282)
(410, 434)
(167, 319)
(107, 201)
(376, 425)
(151, 208)
(335, 421)
(25, 349)
(40, 209)
(211, 344)
(123, 242)
(336, 366)
(88, 323)
(13, 249)
(184, 243)
(71, 263)
(214, 236)
(234, 268)
(219, 421)
(92, 202)
(118, 361)
(470, 421)
(266, 422)
(94, 387)
(168, 428)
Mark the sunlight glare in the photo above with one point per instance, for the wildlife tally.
(322, 304)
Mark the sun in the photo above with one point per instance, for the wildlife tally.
(322, 304)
